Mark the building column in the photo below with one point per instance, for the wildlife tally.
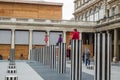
(115, 45)
(12, 53)
(13, 39)
(30, 44)
(64, 36)
(48, 33)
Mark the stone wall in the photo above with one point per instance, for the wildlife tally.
(25, 10)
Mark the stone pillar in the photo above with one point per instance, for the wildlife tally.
(12, 54)
(48, 33)
(64, 36)
(30, 43)
(115, 45)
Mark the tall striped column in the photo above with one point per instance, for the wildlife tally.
(76, 65)
(53, 56)
(61, 64)
(102, 56)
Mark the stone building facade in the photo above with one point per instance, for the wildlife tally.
(102, 12)
(16, 38)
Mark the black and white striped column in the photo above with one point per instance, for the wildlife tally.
(76, 65)
(33, 55)
(41, 55)
(61, 64)
(102, 56)
(53, 56)
(12, 51)
(46, 55)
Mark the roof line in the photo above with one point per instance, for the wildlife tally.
(33, 2)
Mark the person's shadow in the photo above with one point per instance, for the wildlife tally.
(21, 57)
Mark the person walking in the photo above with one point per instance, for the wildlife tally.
(87, 56)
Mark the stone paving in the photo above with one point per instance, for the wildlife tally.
(27, 70)
(49, 74)
(24, 71)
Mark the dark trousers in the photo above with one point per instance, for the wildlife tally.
(87, 62)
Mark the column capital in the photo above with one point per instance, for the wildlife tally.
(30, 29)
(13, 29)
(64, 30)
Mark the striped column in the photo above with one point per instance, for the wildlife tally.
(43, 52)
(61, 64)
(30, 43)
(76, 65)
(41, 55)
(102, 56)
(53, 56)
(37, 54)
(12, 52)
(46, 55)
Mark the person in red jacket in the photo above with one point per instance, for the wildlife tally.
(75, 35)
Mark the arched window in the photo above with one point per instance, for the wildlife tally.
(83, 17)
(88, 16)
(101, 12)
(96, 16)
(91, 15)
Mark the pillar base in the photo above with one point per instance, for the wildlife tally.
(115, 59)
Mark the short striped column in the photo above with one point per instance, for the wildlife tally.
(76, 65)
(102, 56)
(33, 55)
(61, 64)
(40, 55)
(43, 52)
(53, 56)
(46, 55)
(37, 54)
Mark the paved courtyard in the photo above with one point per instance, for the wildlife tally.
(27, 70)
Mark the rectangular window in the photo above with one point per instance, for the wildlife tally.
(108, 12)
(5, 37)
(113, 10)
(21, 37)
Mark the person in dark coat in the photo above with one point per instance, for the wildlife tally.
(60, 39)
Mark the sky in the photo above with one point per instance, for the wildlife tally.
(67, 10)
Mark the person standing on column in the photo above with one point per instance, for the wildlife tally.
(46, 38)
(76, 35)
(60, 39)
